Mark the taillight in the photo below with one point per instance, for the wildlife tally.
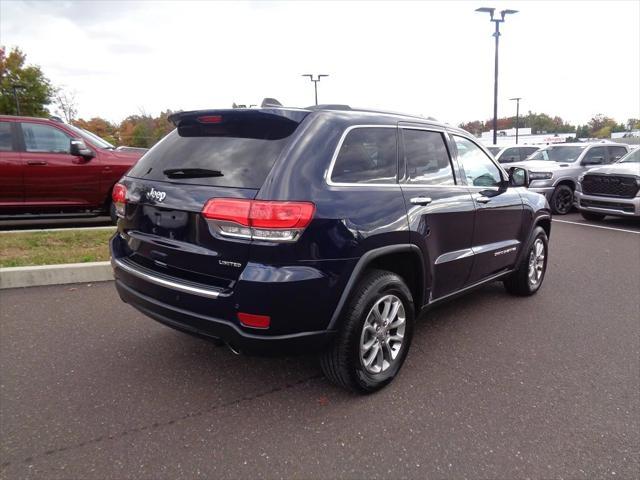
(259, 219)
(119, 197)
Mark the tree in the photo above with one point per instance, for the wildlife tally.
(100, 127)
(633, 124)
(66, 104)
(33, 90)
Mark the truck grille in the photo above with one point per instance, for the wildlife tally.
(610, 186)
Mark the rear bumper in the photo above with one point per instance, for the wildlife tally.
(216, 328)
(623, 207)
(299, 299)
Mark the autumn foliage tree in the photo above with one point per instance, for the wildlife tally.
(27, 82)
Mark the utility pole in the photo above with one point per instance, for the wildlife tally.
(15, 89)
(315, 82)
(517, 99)
(496, 34)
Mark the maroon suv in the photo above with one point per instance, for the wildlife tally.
(48, 167)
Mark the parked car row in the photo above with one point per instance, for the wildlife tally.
(51, 168)
(554, 170)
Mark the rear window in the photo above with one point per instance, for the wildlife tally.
(236, 154)
(367, 155)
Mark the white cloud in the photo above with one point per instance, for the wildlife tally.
(434, 58)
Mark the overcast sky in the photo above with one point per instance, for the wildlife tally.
(574, 59)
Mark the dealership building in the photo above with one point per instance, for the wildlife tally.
(507, 137)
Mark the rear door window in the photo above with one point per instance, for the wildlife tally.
(616, 153)
(6, 143)
(45, 139)
(510, 155)
(367, 155)
(235, 154)
(594, 156)
(427, 159)
(526, 151)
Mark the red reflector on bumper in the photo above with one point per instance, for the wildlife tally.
(254, 321)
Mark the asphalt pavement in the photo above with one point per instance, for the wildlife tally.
(494, 387)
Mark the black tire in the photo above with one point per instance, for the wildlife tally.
(520, 282)
(594, 217)
(112, 213)
(562, 200)
(341, 362)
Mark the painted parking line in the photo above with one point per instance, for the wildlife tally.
(68, 229)
(597, 226)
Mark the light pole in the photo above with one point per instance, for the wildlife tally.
(315, 82)
(496, 34)
(15, 89)
(517, 99)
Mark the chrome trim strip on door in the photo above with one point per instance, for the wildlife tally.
(164, 282)
(500, 248)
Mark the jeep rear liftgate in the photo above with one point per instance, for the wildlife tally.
(187, 207)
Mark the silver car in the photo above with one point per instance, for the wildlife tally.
(554, 170)
(611, 190)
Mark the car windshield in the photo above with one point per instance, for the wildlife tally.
(558, 153)
(92, 137)
(631, 157)
(494, 150)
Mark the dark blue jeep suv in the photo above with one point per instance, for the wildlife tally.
(326, 228)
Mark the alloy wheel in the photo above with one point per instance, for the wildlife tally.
(536, 262)
(382, 334)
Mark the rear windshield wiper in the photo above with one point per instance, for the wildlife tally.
(192, 173)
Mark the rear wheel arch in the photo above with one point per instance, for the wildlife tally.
(404, 260)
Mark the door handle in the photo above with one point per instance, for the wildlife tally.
(483, 199)
(420, 201)
(36, 163)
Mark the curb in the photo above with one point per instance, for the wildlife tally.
(15, 277)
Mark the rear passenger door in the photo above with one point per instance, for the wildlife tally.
(498, 218)
(440, 211)
(11, 168)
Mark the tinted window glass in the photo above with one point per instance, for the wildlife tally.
(5, 137)
(616, 153)
(510, 155)
(367, 155)
(478, 168)
(427, 158)
(526, 151)
(594, 156)
(43, 138)
(235, 161)
(558, 153)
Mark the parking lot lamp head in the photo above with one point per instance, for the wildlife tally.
(497, 21)
(315, 82)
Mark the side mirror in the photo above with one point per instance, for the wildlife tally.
(80, 149)
(593, 161)
(518, 177)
